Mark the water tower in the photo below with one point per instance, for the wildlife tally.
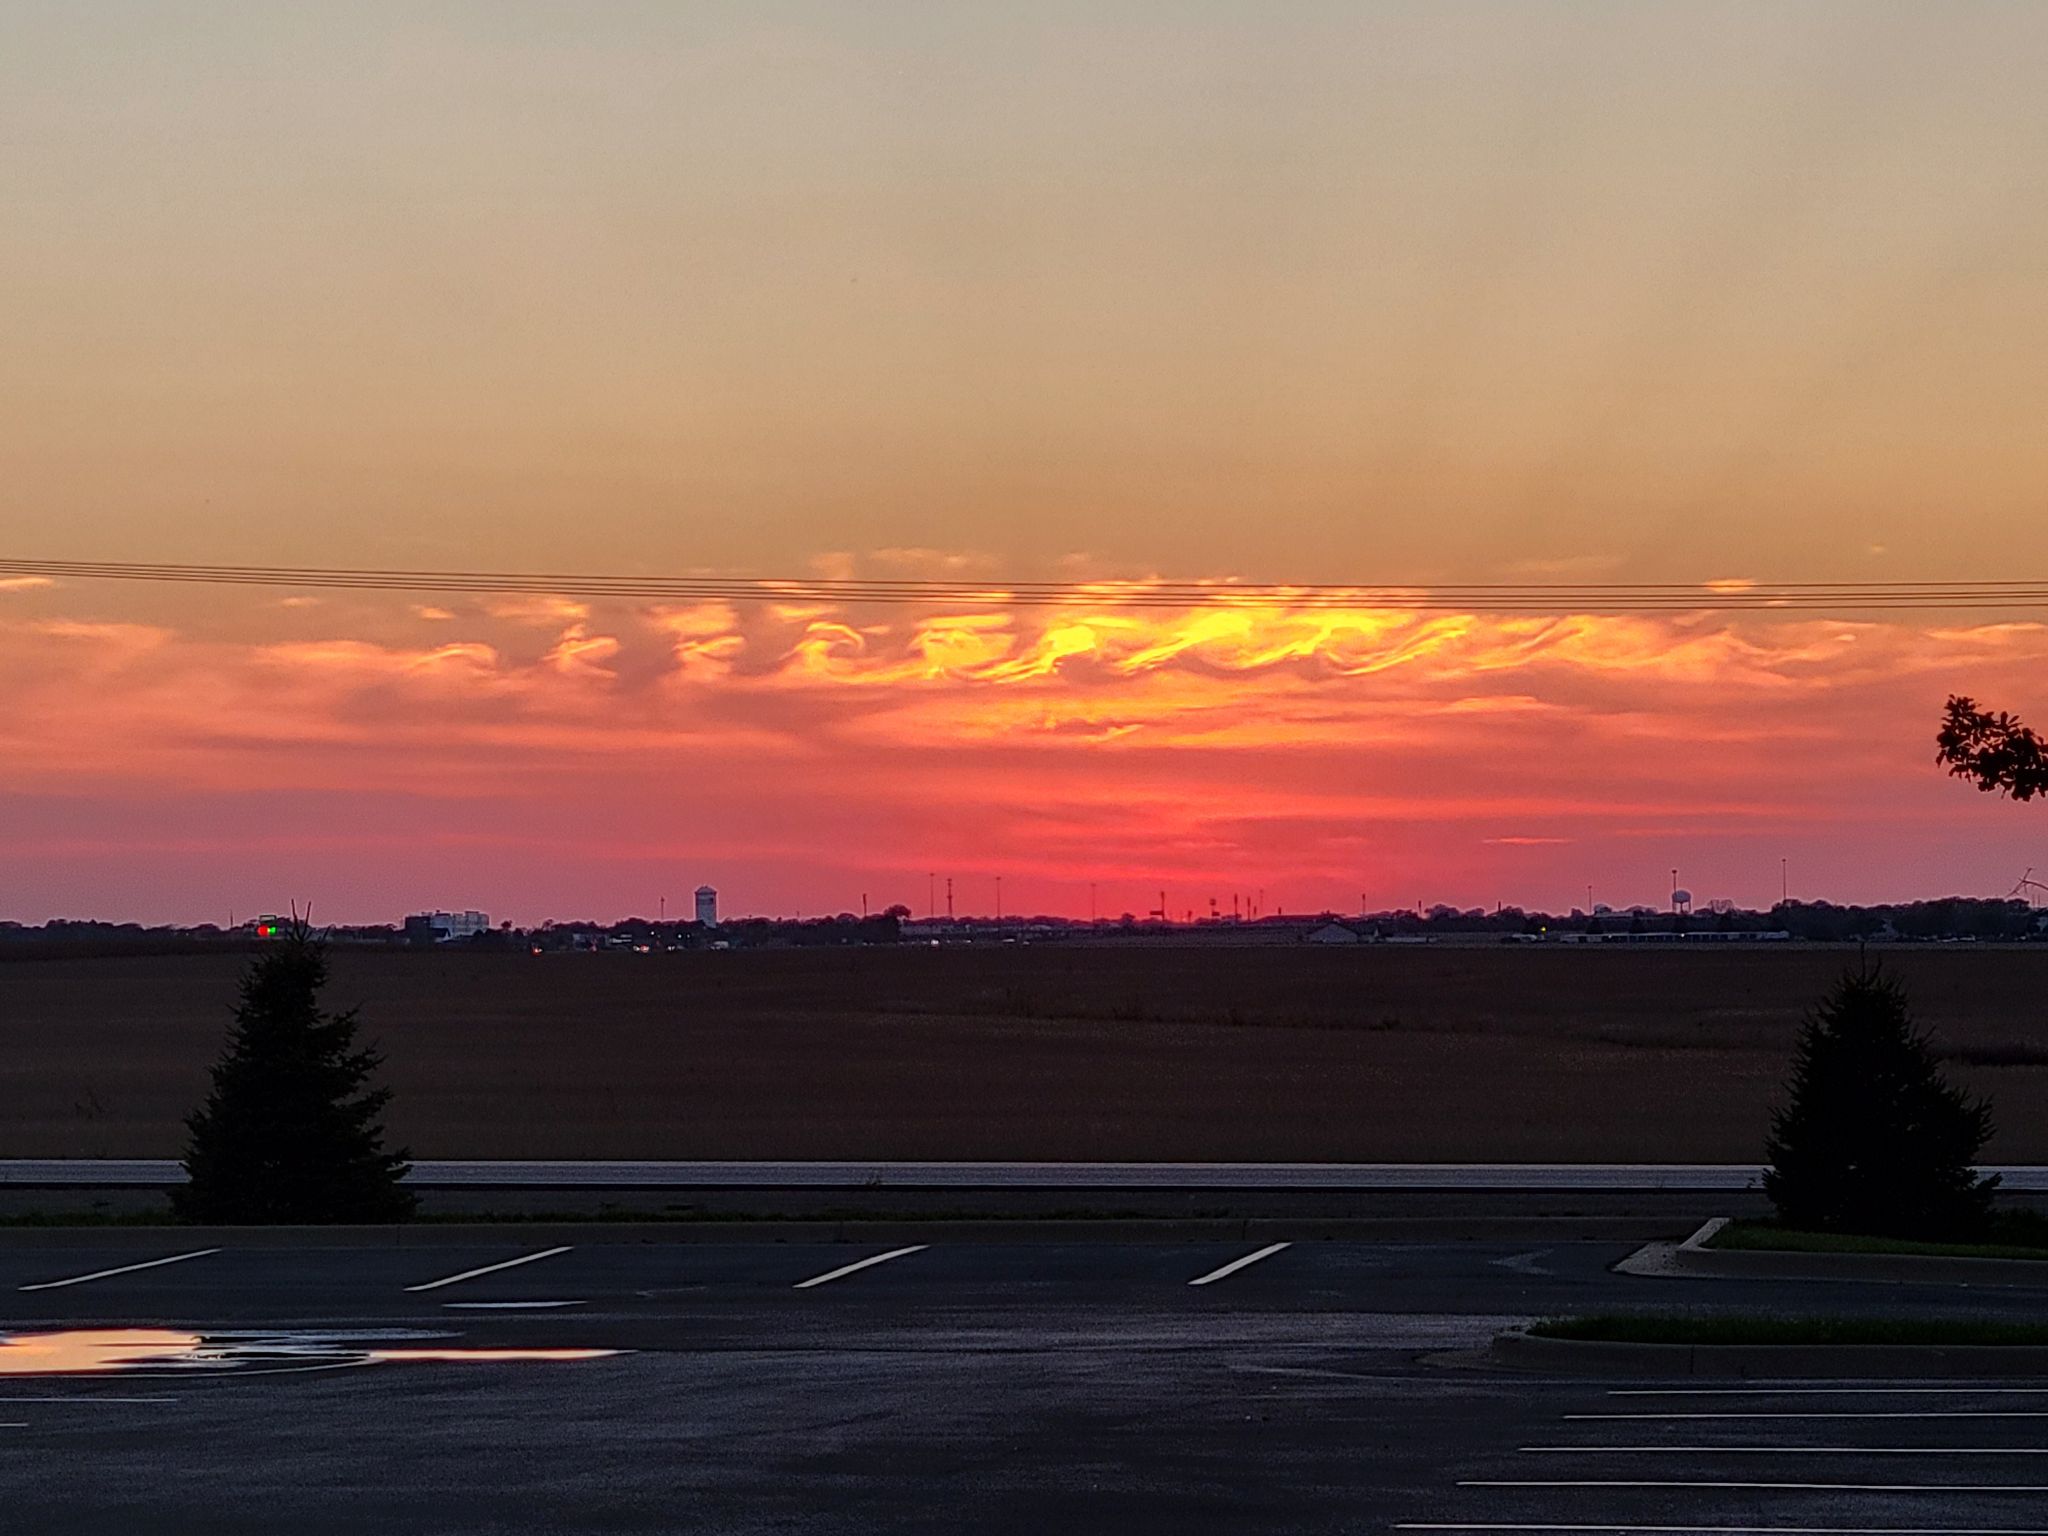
(707, 906)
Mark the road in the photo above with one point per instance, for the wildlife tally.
(1082, 1386)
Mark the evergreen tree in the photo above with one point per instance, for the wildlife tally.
(1874, 1141)
(292, 1131)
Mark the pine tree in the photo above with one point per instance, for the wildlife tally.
(1873, 1140)
(292, 1131)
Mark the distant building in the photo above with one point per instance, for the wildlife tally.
(707, 906)
(1333, 933)
(445, 927)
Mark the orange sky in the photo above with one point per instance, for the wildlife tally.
(544, 756)
(1323, 293)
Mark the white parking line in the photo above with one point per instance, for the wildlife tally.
(1743, 1530)
(1827, 1391)
(125, 1269)
(1620, 1482)
(1785, 1450)
(491, 1269)
(860, 1264)
(1930, 1413)
(10, 1402)
(509, 1306)
(1236, 1264)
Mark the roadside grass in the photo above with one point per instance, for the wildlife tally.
(2013, 1235)
(1669, 1328)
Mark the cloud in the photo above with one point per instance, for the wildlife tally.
(935, 564)
(24, 583)
(541, 612)
(579, 653)
(1566, 565)
(911, 562)
(1365, 748)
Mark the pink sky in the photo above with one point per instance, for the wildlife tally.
(543, 757)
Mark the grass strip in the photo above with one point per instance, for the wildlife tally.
(2013, 1235)
(1695, 1328)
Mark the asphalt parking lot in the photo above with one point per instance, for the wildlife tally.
(1019, 1386)
(1822, 1456)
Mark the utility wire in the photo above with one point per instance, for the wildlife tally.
(1608, 597)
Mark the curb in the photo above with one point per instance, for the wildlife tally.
(1518, 1350)
(1693, 1257)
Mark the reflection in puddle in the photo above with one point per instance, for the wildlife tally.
(76, 1352)
(110, 1349)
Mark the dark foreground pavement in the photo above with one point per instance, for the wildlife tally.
(1018, 1387)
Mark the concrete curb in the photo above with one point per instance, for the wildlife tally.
(1517, 1350)
(438, 1234)
(697, 1175)
(1694, 1258)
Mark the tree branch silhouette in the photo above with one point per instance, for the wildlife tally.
(1991, 749)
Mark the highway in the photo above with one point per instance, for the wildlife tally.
(163, 1173)
(336, 1384)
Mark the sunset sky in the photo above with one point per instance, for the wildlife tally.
(1362, 294)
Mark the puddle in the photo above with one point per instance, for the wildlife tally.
(76, 1354)
(158, 1351)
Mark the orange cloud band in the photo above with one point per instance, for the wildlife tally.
(1337, 752)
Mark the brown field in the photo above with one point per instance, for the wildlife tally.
(1383, 1054)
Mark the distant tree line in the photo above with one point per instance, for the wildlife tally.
(1950, 917)
(740, 933)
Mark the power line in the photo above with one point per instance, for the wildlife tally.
(1605, 597)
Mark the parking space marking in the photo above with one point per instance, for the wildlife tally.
(1826, 1391)
(510, 1306)
(860, 1264)
(491, 1269)
(1715, 1483)
(1736, 1530)
(1650, 1482)
(1925, 1413)
(15, 1401)
(1236, 1264)
(1785, 1450)
(125, 1269)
